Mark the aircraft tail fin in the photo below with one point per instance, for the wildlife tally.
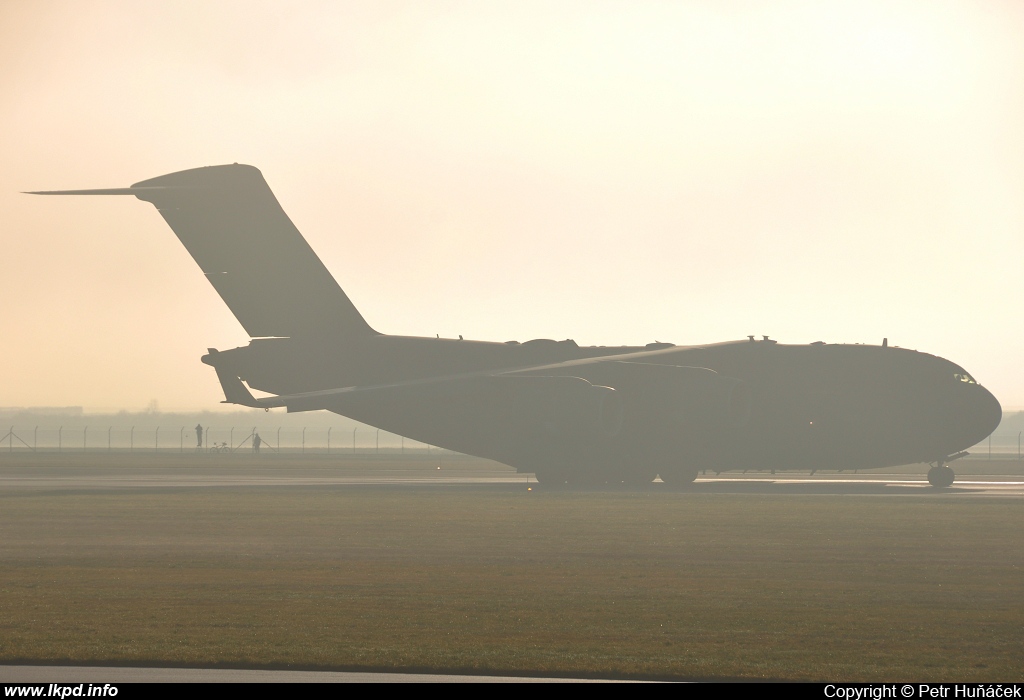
(233, 226)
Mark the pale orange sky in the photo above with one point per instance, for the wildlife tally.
(609, 172)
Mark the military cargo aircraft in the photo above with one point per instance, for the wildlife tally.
(569, 414)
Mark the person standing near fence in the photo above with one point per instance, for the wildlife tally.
(199, 437)
(256, 442)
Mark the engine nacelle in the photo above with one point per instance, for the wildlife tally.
(689, 398)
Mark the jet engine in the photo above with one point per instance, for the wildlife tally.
(690, 399)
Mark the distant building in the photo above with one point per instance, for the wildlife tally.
(41, 410)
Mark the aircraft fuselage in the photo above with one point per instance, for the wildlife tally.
(817, 406)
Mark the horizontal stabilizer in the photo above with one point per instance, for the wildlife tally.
(135, 191)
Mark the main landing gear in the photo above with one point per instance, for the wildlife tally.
(680, 477)
(940, 476)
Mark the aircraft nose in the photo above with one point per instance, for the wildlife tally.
(988, 410)
(978, 414)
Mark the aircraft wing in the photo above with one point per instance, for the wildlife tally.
(236, 392)
(574, 398)
(559, 406)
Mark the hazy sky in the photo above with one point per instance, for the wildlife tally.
(612, 172)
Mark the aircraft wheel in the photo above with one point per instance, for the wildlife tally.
(637, 479)
(550, 477)
(586, 479)
(679, 477)
(941, 477)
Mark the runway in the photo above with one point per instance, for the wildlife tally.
(973, 485)
(867, 484)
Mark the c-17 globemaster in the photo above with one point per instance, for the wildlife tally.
(569, 414)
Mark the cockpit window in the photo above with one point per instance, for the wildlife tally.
(965, 378)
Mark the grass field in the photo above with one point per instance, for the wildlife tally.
(502, 580)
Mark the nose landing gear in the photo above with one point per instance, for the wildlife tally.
(940, 476)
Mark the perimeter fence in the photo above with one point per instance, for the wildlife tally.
(292, 440)
(217, 439)
(999, 446)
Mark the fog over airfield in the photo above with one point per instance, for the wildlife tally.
(609, 172)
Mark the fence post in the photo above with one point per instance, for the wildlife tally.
(329, 440)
